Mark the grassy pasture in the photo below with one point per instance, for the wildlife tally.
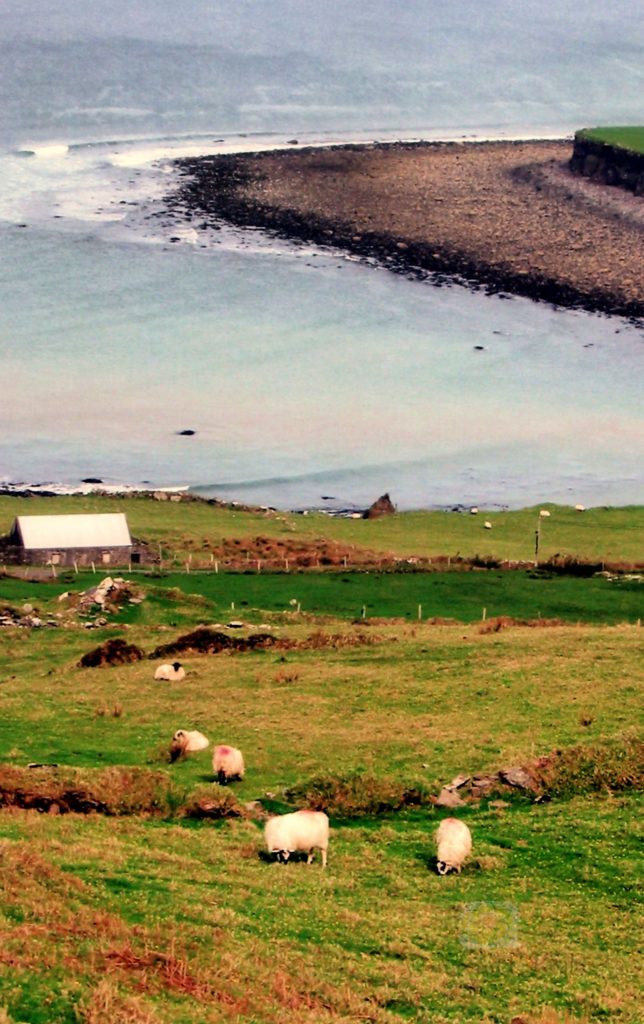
(174, 922)
(196, 529)
(210, 597)
(626, 136)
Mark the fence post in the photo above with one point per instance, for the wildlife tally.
(484, 615)
(420, 612)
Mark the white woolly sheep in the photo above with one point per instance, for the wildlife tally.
(173, 673)
(228, 764)
(303, 831)
(187, 741)
(454, 841)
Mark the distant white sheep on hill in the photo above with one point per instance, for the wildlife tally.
(303, 831)
(454, 842)
(228, 764)
(173, 673)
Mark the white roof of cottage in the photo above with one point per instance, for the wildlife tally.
(105, 530)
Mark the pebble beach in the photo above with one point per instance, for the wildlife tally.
(504, 216)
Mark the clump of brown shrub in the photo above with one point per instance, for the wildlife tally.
(357, 795)
(113, 652)
(212, 802)
(112, 791)
(504, 621)
(618, 765)
(205, 640)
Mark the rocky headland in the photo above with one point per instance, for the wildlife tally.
(506, 217)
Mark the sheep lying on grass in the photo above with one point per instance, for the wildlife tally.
(173, 673)
(454, 841)
(187, 741)
(302, 831)
(228, 764)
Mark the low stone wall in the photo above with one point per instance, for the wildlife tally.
(609, 164)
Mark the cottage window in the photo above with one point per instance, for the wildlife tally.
(55, 558)
(136, 558)
(106, 557)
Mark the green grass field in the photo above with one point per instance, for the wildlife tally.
(627, 136)
(465, 596)
(194, 529)
(164, 920)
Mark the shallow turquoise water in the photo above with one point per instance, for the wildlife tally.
(302, 374)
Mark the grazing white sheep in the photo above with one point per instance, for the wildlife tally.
(228, 764)
(303, 831)
(487, 524)
(173, 673)
(454, 841)
(187, 741)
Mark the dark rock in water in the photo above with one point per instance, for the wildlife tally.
(291, 142)
(186, 433)
(382, 507)
(91, 480)
(479, 348)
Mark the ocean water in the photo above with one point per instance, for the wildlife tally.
(304, 375)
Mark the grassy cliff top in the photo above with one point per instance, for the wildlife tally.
(629, 137)
(200, 530)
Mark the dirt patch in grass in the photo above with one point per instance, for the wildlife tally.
(113, 652)
(320, 641)
(500, 622)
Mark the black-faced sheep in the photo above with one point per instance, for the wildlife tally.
(454, 842)
(173, 673)
(187, 741)
(303, 831)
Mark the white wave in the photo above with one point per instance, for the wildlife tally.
(15, 487)
(51, 151)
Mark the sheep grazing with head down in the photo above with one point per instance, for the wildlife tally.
(187, 741)
(303, 831)
(454, 841)
(228, 764)
(173, 673)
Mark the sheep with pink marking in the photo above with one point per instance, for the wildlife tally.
(454, 845)
(228, 764)
(300, 832)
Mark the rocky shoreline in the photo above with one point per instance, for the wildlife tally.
(507, 218)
